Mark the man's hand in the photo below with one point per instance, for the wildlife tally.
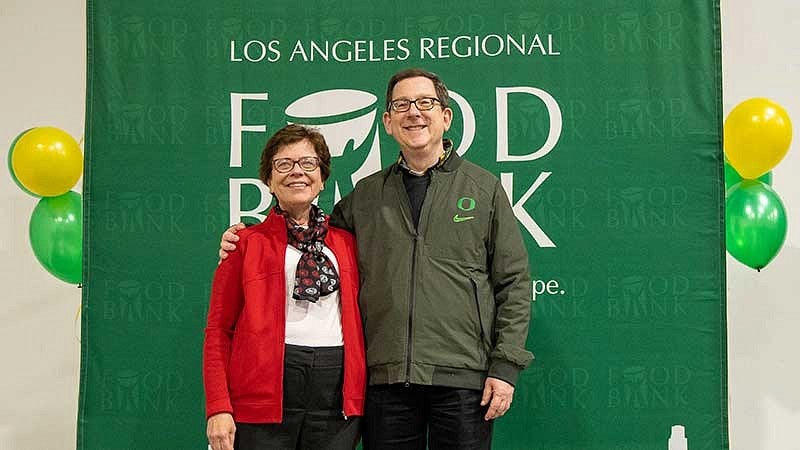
(229, 238)
(498, 395)
(220, 431)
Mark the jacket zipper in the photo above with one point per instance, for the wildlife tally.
(478, 307)
(413, 296)
(411, 309)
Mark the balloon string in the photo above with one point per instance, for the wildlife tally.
(75, 331)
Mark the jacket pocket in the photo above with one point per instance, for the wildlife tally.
(254, 370)
(481, 329)
(239, 375)
(448, 330)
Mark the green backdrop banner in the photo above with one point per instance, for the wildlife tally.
(602, 120)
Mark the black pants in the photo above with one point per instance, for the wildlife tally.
(407, 418)
(312, 406)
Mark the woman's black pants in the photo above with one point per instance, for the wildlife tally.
(312, 406)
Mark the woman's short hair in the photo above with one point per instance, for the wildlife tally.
(289, 135)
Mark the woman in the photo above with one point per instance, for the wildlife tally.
(283, 357)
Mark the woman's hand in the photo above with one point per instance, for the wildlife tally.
(220, 431)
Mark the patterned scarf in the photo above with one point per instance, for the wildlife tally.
(315, 274)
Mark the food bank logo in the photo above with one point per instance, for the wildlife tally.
(137, 38)
(646, 208)
(556, 388)
(633, 32)
(145, 303)
(641, 387)
(144, 212)
(132, 391)
(349, 121)
(636, 298)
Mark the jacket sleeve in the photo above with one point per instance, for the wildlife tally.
(227, 299)
(342, 216)
(508, 266)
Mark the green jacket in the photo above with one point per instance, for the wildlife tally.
(449, 303)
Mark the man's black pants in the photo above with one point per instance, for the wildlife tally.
(407, 418)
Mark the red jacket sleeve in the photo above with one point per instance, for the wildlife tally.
(227, 299)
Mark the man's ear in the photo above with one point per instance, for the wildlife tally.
(387, 122)
(447, 118)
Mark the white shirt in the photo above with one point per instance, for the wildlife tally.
(311, 324)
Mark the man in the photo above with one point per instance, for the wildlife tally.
(445, 288)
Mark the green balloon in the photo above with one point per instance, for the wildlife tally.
(732, 177)
(56, 234)
(755, 223)
(11, 169)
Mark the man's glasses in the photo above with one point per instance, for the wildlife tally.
(423, 104)
(284, 165)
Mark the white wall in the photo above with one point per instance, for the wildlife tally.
(761, 58)
(43, 83)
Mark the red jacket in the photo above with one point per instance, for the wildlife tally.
(244, 340)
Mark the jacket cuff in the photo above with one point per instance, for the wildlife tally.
(222, 405)
(504, 370)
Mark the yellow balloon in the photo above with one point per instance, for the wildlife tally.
(47, 161)
(756, 136)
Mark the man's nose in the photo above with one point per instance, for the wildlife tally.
(414, 109)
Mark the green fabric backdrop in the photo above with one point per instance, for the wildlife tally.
(602, 119)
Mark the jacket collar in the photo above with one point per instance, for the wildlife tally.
(449, 161)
